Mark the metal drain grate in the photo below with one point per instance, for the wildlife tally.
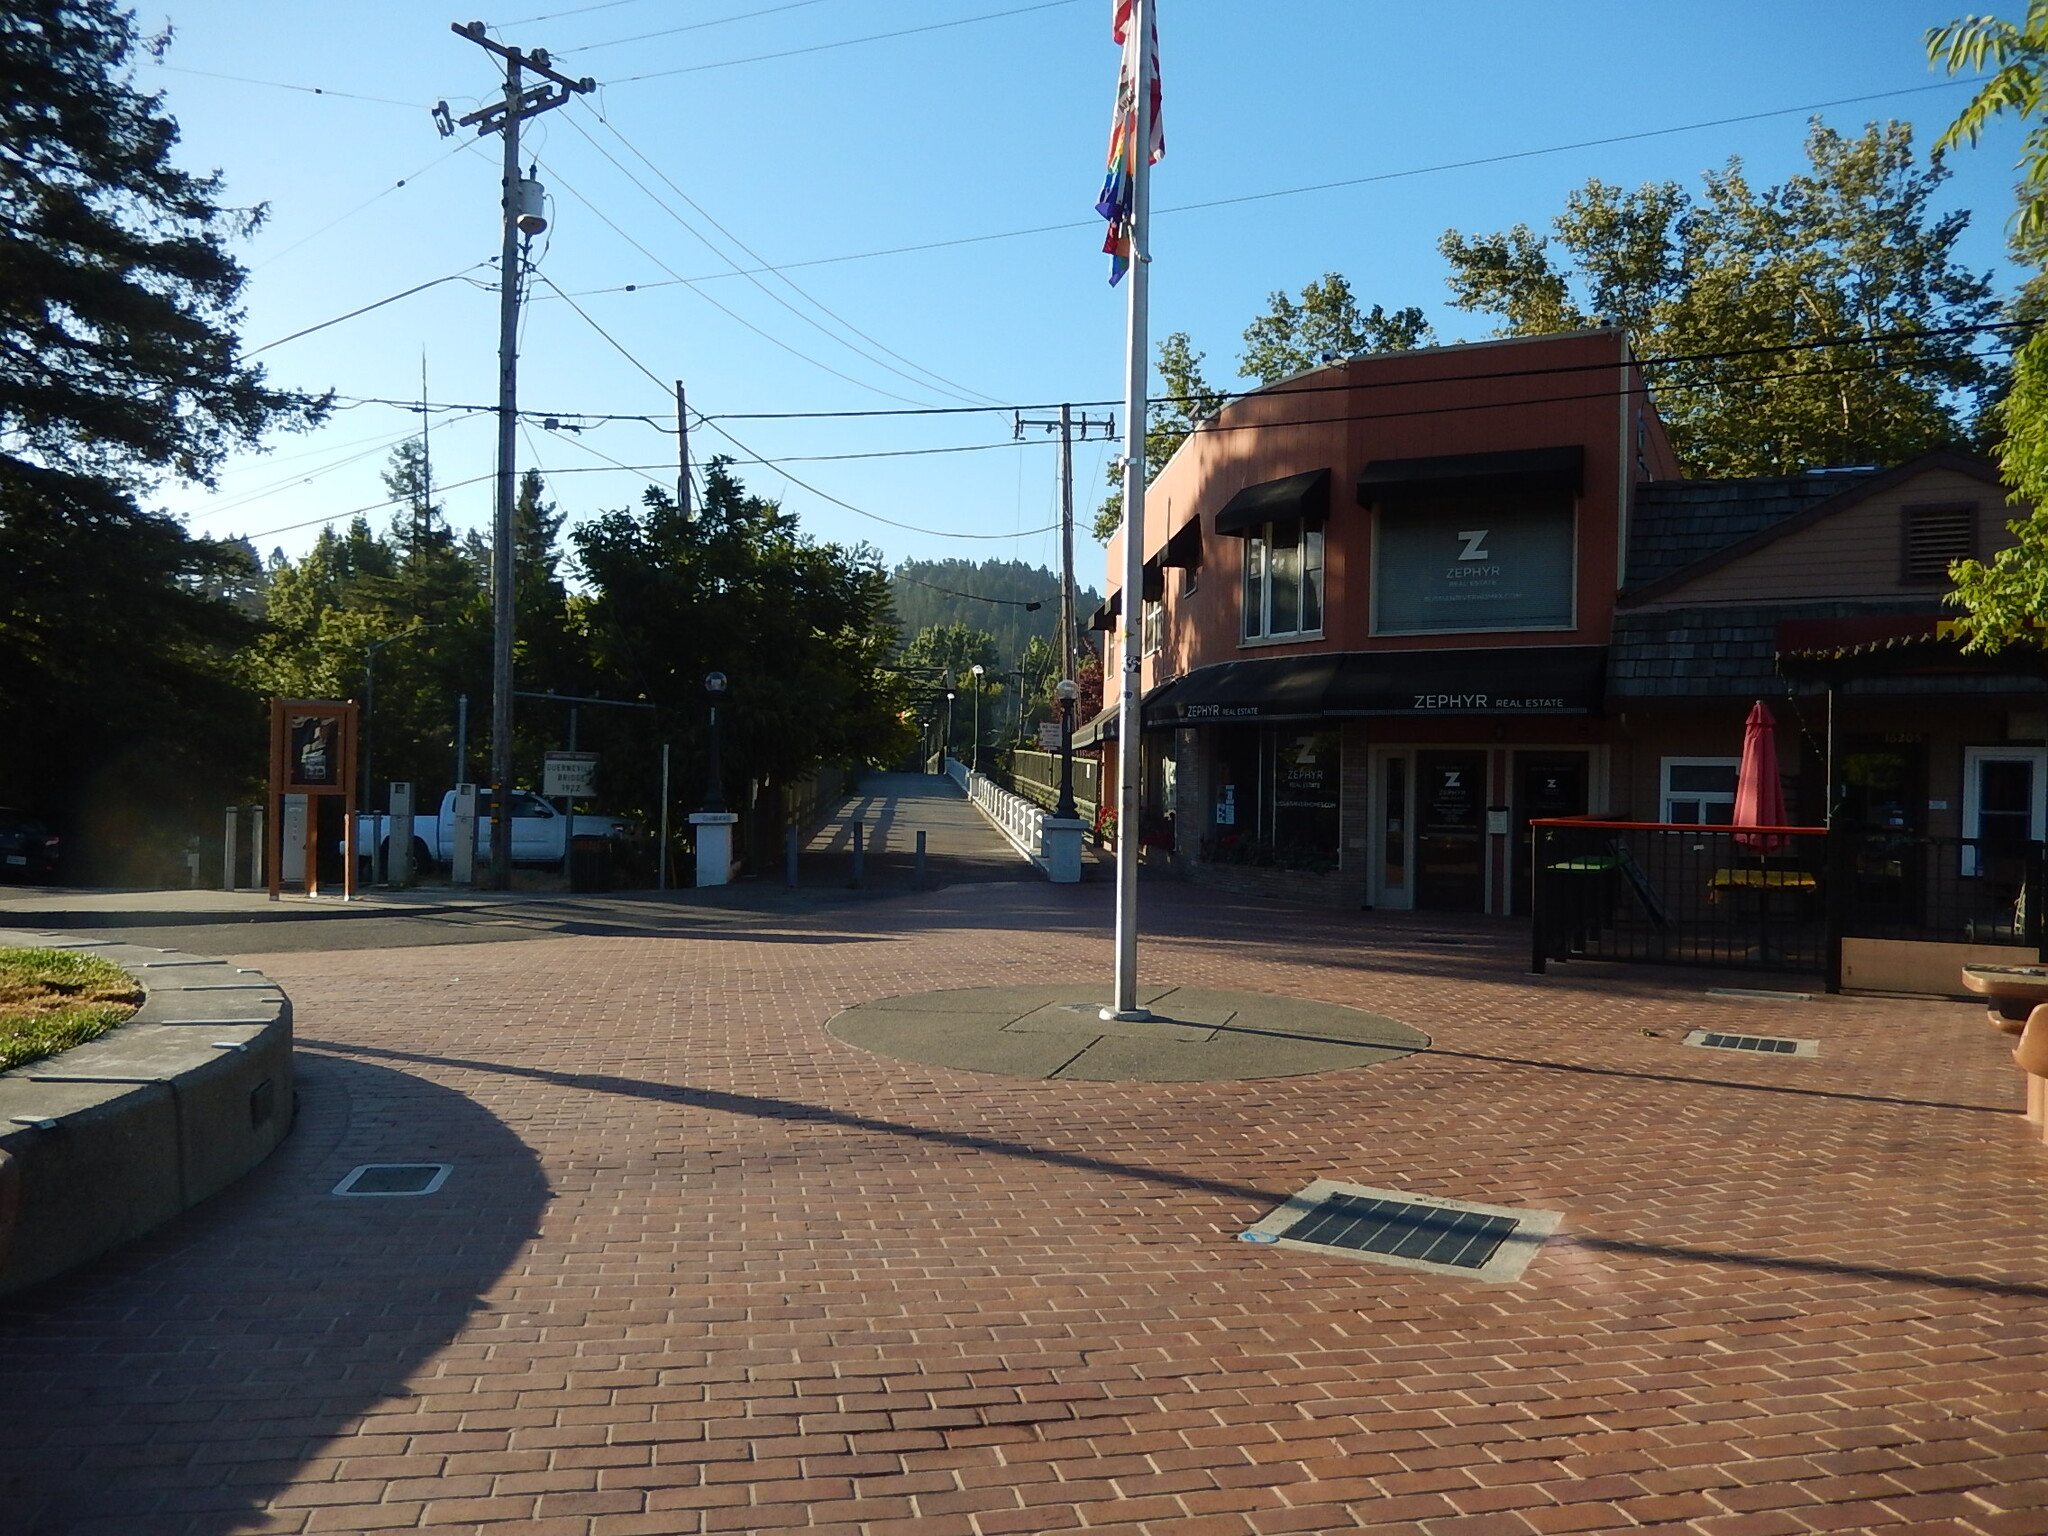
(394, 1179)
(1759, 1045)
(1385, 1226)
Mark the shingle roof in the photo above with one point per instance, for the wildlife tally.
(1721, 652)
(1677, 522)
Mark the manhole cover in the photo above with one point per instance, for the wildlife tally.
(394, 1179)
(1759, 1045)
(1387, 1226)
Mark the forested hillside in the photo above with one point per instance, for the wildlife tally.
(925, 593)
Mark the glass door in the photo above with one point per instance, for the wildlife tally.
(1450, 826)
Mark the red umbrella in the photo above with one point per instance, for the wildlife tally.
(1759, 792)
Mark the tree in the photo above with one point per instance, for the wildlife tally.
(1186, 398)
(1327, 324)
(802, 629)
(2006, 596)
(118, 363)
(1850, 248)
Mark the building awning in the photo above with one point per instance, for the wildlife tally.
(1522, 468)
(1104, 618)
(1938, 654)
(1519, 680)
(1184, 549)
(1153, 585)
(1303, 496)
(1100, 727)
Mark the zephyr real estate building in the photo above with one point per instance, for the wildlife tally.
(1397, 606)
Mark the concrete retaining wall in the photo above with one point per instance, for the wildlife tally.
(102, 1143)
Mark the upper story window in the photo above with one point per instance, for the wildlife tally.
(1153, 621)
(1474, 560)
(1283, 579)
(1933, 538)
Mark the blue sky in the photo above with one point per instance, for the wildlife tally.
(751, 115)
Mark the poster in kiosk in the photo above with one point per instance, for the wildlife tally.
(312, 768)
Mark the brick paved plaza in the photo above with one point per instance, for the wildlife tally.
(702, 1267)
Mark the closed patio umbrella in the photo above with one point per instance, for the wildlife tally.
(1759, 792)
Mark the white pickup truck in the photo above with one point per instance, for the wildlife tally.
(540, 833)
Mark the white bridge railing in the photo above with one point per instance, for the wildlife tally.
(1012, 815)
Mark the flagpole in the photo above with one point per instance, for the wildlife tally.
(1137, 373)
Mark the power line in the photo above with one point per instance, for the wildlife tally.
(695, 26)
(952, 386)
(617, 345)
(375, 197)
(724, 309)
(875, 37)
(286, 85)
(972, 597)
(1326, 186)
(462, 276)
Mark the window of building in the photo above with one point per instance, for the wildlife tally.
(1154, 621)
(1283, 579)
(1190, 578)
(1933, 538)
(1474, 560)
(1700, 791)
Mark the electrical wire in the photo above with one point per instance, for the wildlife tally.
(876, 37)
(286, 85)
(617, 345)
(375, 197)
(972, 597)
(695, 26)
(724, 309)
(948, 386)
(462, 276)
(1326, 186)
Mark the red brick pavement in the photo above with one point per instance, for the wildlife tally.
(702, 1268)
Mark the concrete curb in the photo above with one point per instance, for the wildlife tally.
(112, 1138)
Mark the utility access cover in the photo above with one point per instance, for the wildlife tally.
(1386, 1226)
(1759, 1045)
(394, 1179)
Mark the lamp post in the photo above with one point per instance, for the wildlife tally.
(946, 747)
(714, 791)
(977, 669)
(1066, 809)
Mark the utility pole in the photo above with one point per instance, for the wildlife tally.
(521, 216)
(1065, 427)
(682, 454)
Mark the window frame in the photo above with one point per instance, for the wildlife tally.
(1310, 536)
(1703, 798)
(1377, 628)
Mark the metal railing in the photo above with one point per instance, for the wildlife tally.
(1750, 899)
(1015, 817)
(1037, 776)
(1773, 898)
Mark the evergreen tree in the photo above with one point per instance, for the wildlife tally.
(1325, 325)
(118, 363)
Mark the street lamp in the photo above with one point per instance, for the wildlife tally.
(946, 747)
(976, 669)
(1066, 809)
(714, 791)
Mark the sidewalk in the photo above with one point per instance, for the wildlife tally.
(702, 1266)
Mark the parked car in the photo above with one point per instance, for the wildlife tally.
(540, 833)
(28, 848)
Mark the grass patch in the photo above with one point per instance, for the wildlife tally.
(53, 999)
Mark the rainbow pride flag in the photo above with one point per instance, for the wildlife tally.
(1115, 203)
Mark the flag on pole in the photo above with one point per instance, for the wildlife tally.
(1115, 202)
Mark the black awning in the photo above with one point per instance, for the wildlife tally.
(1517, 680)
(1184, 549)
(1306, 496)
(1104, 618)
(1153, 586)
(1533, 468)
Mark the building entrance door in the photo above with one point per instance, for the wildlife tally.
(1450, 823)
(1546, 784)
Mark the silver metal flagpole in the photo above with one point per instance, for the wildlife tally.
(1131, 630)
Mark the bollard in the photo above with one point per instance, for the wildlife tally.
(920, 881)
(259, 851)
(228, 853)
(860, 855)
(789, 858)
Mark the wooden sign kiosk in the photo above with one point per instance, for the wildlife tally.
(312, 759)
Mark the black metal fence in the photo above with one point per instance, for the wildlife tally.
(1771, 899)
(1036, 776)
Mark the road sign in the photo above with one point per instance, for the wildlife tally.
(1048, 736)
(572, 775)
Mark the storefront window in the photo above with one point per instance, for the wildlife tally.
(1474, 562)
(1307, 772)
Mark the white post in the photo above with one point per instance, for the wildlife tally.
(462, 836)
(259, 873)
(1137, 374)
(397, 839)
(227, 851)
(661, 870)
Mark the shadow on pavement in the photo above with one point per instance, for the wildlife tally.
(177, 1385)
(725, 1101)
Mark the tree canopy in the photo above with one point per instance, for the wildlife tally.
(1739, 286)
(1325, 325)
(119, 363)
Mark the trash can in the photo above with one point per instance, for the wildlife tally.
(590, 864)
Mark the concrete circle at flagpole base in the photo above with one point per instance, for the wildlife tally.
(1195, 1035)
